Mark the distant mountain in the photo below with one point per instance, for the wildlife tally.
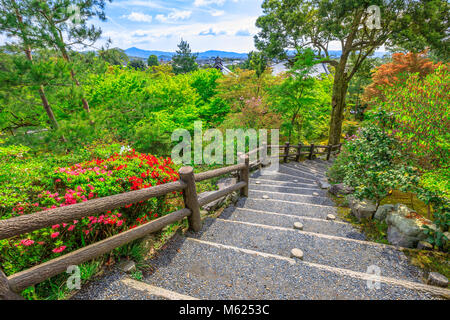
(140, 53)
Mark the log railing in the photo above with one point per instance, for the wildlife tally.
(10, 286)
(309, 151)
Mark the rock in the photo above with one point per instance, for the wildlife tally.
(203, 212)
(382, 212)
(331, 217)
(340, 189)
(323, 184)
(265, 197)
(298, 225)
(127, 266)
(315, 194)
(297, 253)
(423, 245)
(258, 182)
(403, 230)
(437, 279)
(362, 209)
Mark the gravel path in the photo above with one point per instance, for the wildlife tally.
(246, 252)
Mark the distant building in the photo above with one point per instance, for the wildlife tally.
(316, 71)
(218, 64)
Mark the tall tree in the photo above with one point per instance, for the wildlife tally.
(152, 61)
(62, 24)
(184, 61)
(15, 20)
(359, 26)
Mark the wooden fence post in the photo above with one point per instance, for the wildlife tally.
(311, 151)
(190, 198)
(299, 150)
(329, 152)
(286, 152)
(5, 291)
(244, 176)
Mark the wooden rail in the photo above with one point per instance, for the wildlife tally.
(10, 286)
(310, 150)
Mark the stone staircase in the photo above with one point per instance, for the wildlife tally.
(246, 252)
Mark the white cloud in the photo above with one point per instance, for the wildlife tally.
(136, 3)
(176, 15)
(217, 13)
(202, 3)
(138, 17)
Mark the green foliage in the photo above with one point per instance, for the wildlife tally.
(137, 64)
(152, 61)
(115, 56)
(184, 61)
(302, 100)
(371, 163)
(420, 117)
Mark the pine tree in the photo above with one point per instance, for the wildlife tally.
(62, 24)
(184, 61)
(15, 21)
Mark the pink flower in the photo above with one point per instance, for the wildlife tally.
(60, 249)
(119, 223)
(71, 228)
(54, 235)
(102, 179)
(26, 242)
(56, 226)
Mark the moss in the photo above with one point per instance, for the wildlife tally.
(430, 261)
(410, 200)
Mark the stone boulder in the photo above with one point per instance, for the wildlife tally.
(362, 209)
(323, 184)
(340, 189)
(403, 229)
(383, 211)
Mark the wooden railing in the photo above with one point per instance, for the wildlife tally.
(310, 151)
(10, 286)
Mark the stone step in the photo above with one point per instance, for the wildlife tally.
(209, 270)
(285, 184)
(261, 186)
(277, 176)
(287, 207)
(297, 173)
(304, 199)
(317, 165)
(153, 291)
(299, 167)
(334, 228)
(339, 252)
(116, 285)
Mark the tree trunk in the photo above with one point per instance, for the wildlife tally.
(340, 88)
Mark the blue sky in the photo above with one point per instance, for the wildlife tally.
(227, 25)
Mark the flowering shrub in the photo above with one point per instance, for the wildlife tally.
(121, 172)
